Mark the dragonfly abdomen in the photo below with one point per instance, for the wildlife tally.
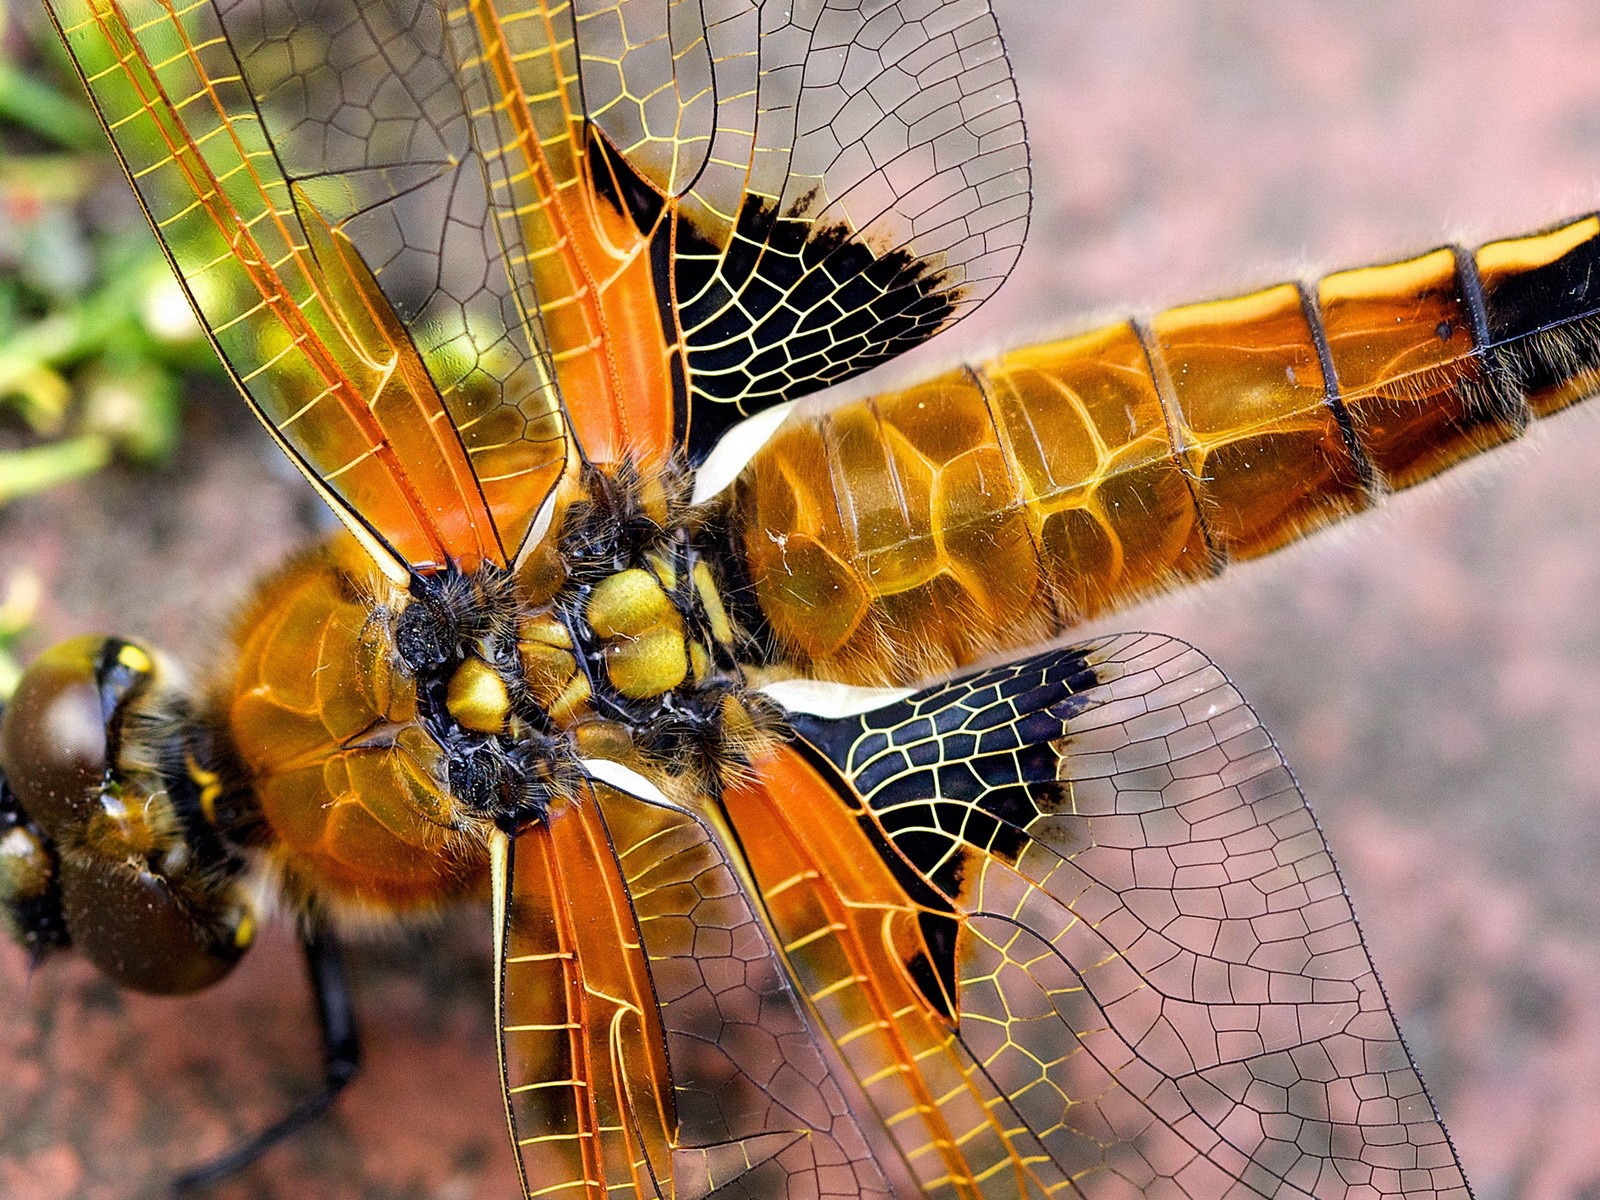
(995, 506)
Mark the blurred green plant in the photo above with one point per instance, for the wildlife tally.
(95, 334)
(17, 609)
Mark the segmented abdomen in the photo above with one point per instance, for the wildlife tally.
(997, 505)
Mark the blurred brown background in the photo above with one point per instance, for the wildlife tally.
(1432, 673)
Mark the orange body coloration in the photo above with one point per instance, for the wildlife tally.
(994, 506)
(1412, 396)
(326, 724)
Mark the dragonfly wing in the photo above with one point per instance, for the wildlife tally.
(651, 1045)
(1072, 926)
(721, 207)
(310, 172)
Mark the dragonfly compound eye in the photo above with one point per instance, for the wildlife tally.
(150, 933)
(108, 840)
(53, 740)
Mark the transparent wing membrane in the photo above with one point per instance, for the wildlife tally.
(1073, 928)
(1063, 928)
(414, 229)
(868, 186)
(313, 184)
(722, 206)
(650, 1041)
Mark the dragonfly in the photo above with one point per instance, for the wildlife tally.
(1108, 664)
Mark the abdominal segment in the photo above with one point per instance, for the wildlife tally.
(997, 505)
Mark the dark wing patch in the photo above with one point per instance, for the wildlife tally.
(792, 306)
(865, 186)
(1159, 984)
(815, 187)
(433, 240)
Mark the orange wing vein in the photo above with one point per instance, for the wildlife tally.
(430, 239)
(1073, 929)
(650, 1044)
(715, 209)
(314, 184)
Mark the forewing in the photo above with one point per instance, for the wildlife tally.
(1074, 929)
(766, 197)
(651, 1045)
(309, 169)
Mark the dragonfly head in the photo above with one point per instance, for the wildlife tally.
(108, 833)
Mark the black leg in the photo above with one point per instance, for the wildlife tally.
(341, 1058)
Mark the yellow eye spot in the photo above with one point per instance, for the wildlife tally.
(476, 697)
(244, 933)
(627, 604)
(135, 659)
(653, 663)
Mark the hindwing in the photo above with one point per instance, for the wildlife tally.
(1073, 929)
(762, 197)
(650, 1041)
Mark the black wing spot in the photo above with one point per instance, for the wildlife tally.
(621, 186)
(792, 306)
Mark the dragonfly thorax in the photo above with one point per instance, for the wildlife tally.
(611, 641)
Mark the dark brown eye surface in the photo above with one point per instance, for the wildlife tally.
(107, 850)
(53, 741)
(137, 930)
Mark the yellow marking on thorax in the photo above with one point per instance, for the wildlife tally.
(477, 698)
(646, 653)
(210, 785)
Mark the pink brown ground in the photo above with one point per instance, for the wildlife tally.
(1432, 674)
